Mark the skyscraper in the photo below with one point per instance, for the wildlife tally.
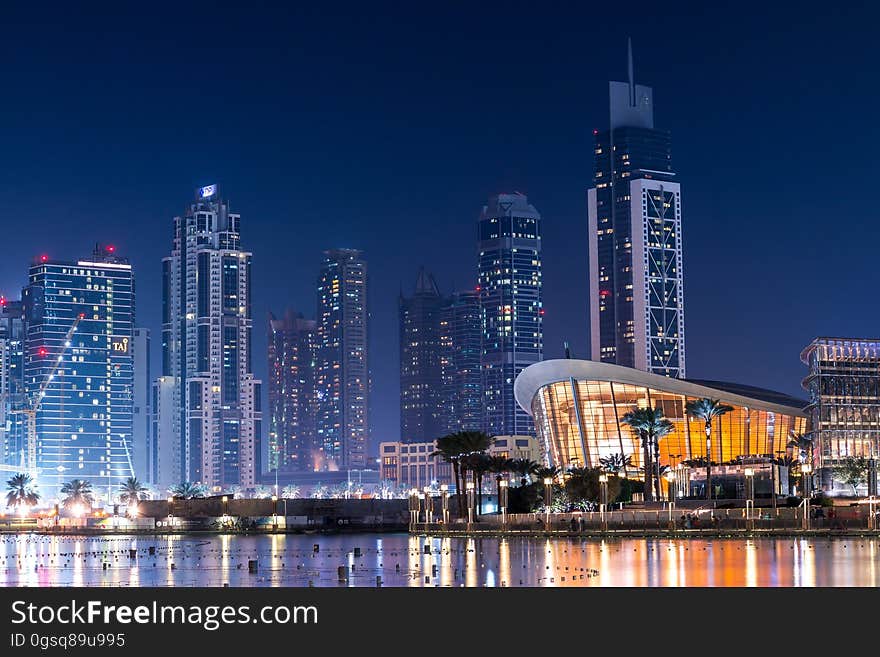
(511, 307)
(143, 446)
(342, 377)
(292, 401)
(634, 214)
(11, 382)
(420, 372)
(206, 349)
(84, 421)
(461, 342)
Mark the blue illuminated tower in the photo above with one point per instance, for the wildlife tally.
(511, 307)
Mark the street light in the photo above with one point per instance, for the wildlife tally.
(807, 475)
(670, 479)
(502, 500)
(548, 497)
(170, 512)
(274, 512)
(413, 507)
(750, 495)
(471, 497)
(429, 505)
(444, 491)
(603, 497)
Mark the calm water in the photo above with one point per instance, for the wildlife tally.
(289, 560)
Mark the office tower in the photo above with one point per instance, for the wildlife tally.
(844, 409)
(510, 300)
(80, 382)
(143, 447)
(11, 383)
(292, 401)
(206, 349)
(461, 340)
(634, 213)
(342, 377)
(420, 367)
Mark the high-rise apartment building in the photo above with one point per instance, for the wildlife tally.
(292, 401)
(84, 418)
(420, 361)
(342, 377)
(11, 383)
(511, 307)
(461, 343)
(635, 259)
(143, 445)
(206, 349)
(844, 410)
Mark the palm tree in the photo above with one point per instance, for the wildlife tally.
(804, 445)
(650, 425)
(662, 428)
(77, 492)
(290, 492)
(132, 490)
(20, 493)
(187, 490)
(546, 473)
(451, 449)
(706, 409)
(479, 464)
(615, 463)
(524, 468)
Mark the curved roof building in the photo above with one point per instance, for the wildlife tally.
(577, 406)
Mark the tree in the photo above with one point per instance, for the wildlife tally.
(650, 426)
(524, 468)
(582, 485)
(20, 492)
(451, 449)
(188, 490)
(804, 446)
(546, 473)
(852, 471)
(615, 463)
(132, 490)
(479, 464)
(290, 492)
(77, 492)
(706, 409)
(499, 465)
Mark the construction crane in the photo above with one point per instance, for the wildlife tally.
(30, 413)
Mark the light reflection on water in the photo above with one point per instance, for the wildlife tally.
(401, 560)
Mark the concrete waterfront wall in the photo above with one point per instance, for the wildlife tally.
(318, 512)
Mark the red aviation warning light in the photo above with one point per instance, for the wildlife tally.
(541, 312)
(111, 248)
(44, 258)
(42, 352)
(2, 300)
(604, 293)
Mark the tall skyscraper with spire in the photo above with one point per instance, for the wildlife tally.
(511, 307)
(635, 258)
(207, 396)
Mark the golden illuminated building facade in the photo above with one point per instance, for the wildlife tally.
(578, 405)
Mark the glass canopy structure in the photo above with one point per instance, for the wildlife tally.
(577, 406)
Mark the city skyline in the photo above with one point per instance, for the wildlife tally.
(88, 198)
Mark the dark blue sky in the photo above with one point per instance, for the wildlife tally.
(385, 127)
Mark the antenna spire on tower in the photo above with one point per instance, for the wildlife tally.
(632, 84)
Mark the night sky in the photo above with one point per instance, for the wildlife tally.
(386, 128)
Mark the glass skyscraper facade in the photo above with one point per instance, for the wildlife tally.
(511, 307)
(292, 401)
(635, 254)
(844, 387)
(84, 423)
(461, 344)
(420, 362)
(11, 384)
(206, 351)
(342, 376)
